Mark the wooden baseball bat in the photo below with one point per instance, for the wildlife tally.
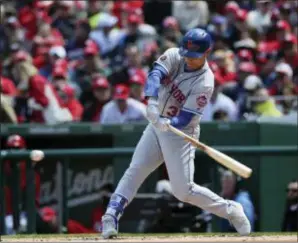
(218, 156)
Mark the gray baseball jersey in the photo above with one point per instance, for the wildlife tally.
(182, 90)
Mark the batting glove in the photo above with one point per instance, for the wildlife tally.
(163, 124)
(152, 111)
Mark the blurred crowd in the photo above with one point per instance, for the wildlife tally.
(73, 61)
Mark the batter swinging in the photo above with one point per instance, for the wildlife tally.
(178, 87)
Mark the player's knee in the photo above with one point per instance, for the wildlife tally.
(182, 193)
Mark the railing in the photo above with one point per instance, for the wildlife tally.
(276, 98)
(65, 155)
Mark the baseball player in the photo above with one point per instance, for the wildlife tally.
(178, 88)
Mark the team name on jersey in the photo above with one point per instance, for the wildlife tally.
(177, 93)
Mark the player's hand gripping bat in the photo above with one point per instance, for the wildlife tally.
(221, 158)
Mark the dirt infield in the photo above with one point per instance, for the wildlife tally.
(155, 238)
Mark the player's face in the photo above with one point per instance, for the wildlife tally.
(195, 63)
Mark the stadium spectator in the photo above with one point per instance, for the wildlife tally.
(8, 93)
(107, 36)
(136, 85)
(55, 53)
(59, 77)
(191, 14)
(122, 109)
(260, 18)
(95, 9)
(122, 9)
(16, 141)
(264, 105)
(63, 17)
(170, 35)
(235, 90)
(131, 64)
(12, 33)
(290, 220)
(220, 104)
(283, 79)
(235, 26)
(250, 85)
(42, 98)
(67, 94)
(226, 66)
(136, 32)
(48, 223)
(29, 15)
(230, 190)
(46, 37)
(75, 46)
(290, 50)
(150, 53)
(8, 87)
(244, 55)
(28, 20)
(118, 39)
(101, 94)
(82, 71)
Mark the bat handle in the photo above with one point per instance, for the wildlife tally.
(188, 138)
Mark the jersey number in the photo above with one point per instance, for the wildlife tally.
(172, 111)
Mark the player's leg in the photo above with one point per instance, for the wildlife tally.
(179, 158)
(146, 158)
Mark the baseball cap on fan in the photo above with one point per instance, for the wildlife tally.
(248, 67)
(100, 82)
(107, 21)
(59, 72)
(231, 7)
(245, 54)
(15, 141)
(68, 92)
(170, 22)
(252, 82)
(58, 51)
(283, 25)
(121, 92)
(42, 5)
(285, 69)
(48, 214)
(134, 19)
(13, 22)
(20, 56)
(137, 79)
(290, 38)
(91, 49)
(241, 15)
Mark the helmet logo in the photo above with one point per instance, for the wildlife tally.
(189, 44)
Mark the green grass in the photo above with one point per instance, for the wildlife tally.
(127, 235)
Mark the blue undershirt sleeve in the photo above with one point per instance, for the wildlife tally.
(157, 74)
(182, 120)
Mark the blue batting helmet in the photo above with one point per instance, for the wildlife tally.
(195, 43)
